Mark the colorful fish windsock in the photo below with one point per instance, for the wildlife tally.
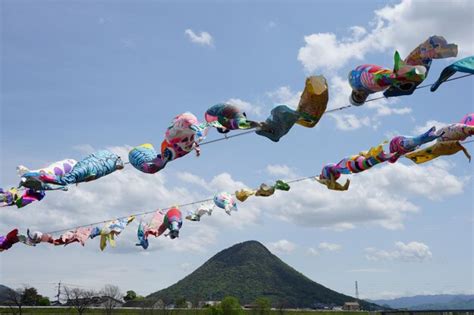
(401, 145)
(8, 197)
(265, 190)
(313, 101)
(58, 168)
(465, 65)
(80, 235)
(182, 136)
(145, 159)
(279, 123)
(94, 166)
(19, 197)
(226, 117)
(455, 132)
(436, 150)
(6, 242)
(406, 75)
(173, 221)
(225, 201)
(281, 185)
(468, 119)
(353, 164)
(244, 193)
(368, 79)
(435, 47)
(154, 227)
(34, 238)
(197, 214)
(109, 230)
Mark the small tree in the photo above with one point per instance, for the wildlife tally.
(181, 303)
(15, 301)
(112, 296)
(30, 296)
(263, 306)
(230, 306)
(44, 301)
(130, 296)
(281, 306)
(79, 299)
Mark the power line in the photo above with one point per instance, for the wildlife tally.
(234, 136)
(330, 110)
(252, 130)
(139, 214)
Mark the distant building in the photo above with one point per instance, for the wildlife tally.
(96, 301)
(351, 306)
(159, 304)
(208, 303)
(250, 306)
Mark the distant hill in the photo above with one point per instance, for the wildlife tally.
(431, 302)
(4, 293)
(249, 270)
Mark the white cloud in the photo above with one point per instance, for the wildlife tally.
(280, 170)
(329, 247)
(392, 28)
(192, 179)
(312, 252)
(383, 110)
(350, 122)
(383, 196)
(245, 106)
(430, 123)
(196, 237)
(357, 31)
(369, 270)
(271, 25)
(203, 38)
(340, 91)
(410, 252)
(281, 247)
(285, 96)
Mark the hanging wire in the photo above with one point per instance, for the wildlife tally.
(330, 110)
(139, 214)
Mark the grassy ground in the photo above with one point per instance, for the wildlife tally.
(62, 311)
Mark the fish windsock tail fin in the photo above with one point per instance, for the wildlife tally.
(21, 170)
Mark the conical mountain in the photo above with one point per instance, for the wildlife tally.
(247, 271)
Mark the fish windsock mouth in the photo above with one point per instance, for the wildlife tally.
(174, 234)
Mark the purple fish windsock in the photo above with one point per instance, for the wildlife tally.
(401, 145)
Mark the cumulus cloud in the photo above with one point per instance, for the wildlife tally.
(410, 252)
(281, 247)
(203, 38)
(246, 106)
(312, 252)
(392, 28)
(430, 123)
(280, 170)
(329, 247)
(393, 190)
(284, 95)
(372, 111)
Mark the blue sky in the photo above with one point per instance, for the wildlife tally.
(82, 76)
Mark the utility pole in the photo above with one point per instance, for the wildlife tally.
(357, 290)
(59, 293)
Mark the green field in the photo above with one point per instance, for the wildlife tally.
(53, 311)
